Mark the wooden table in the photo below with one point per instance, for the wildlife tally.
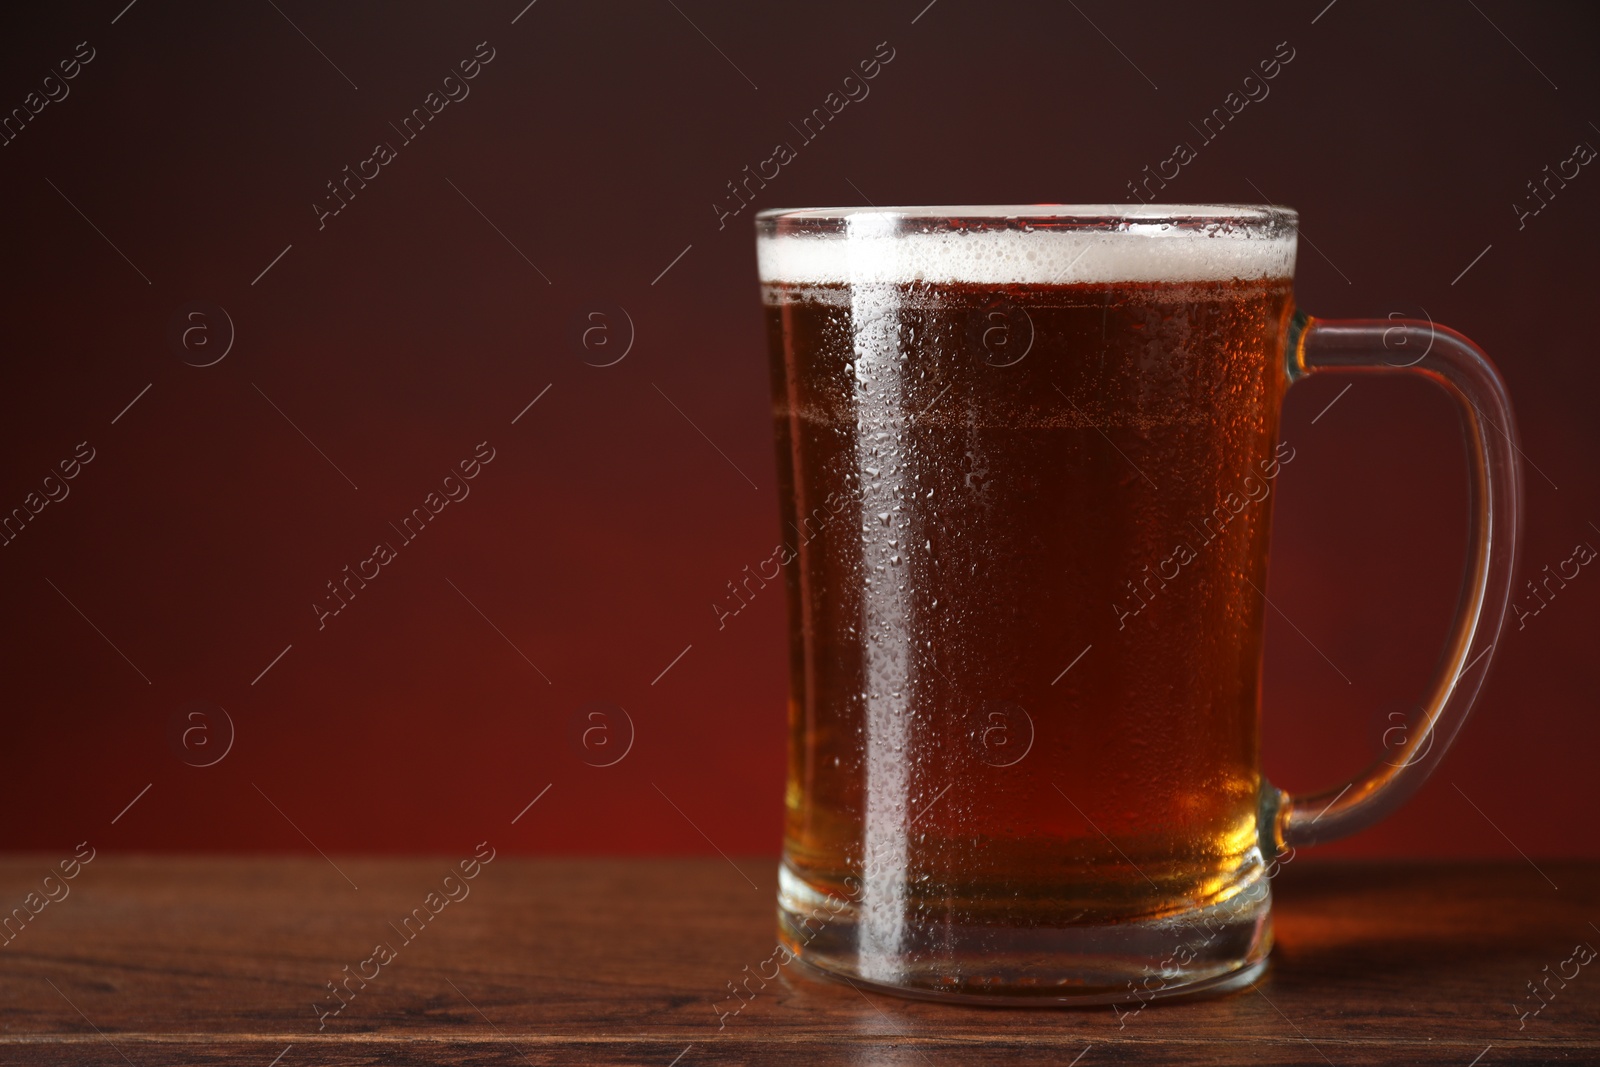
(183, 960)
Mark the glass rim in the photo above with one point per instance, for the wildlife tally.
(1026, 243)
(1021, 216)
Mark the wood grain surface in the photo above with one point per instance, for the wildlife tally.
(225, 961)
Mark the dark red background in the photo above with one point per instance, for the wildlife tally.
(408, 330)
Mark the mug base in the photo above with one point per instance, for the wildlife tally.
(1211, 949)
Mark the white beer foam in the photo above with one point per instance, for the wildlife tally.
(1146, 247)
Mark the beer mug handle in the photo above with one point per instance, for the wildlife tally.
(1406, 346)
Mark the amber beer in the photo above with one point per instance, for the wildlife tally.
(1026, 646)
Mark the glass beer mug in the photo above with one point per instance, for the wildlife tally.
(1027, 459)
